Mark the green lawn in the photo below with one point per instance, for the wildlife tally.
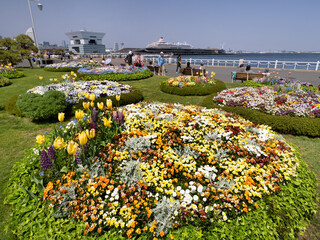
(17, 134)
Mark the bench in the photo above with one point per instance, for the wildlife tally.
(193, 72)
(243, 76)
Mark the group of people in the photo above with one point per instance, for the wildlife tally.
(137, 62)
(246, 69)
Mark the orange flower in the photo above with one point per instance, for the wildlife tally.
(162, 233)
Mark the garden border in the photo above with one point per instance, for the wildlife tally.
(116, 76)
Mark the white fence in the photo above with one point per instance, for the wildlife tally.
(315, 66)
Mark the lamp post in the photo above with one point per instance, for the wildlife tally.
(40, 6)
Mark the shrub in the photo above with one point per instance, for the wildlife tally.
(42, 107)
(62, 69)
(4, 81)
(282, 124)
(11, 107)
(116, 76)
(12, 75)
(194, 90)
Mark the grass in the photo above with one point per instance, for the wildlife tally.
(17, 134)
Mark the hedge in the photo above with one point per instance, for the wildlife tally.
(282, 124)
(116, 76)
(61, 69)
(4, 81)
(193, 90)
(279, 216)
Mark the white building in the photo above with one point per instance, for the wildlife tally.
(84, 42)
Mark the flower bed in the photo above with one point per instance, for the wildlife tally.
(151, 168)
(114, 73)
(4, 81)
(70, 66)
(280, 84)
(190, 85)
(10, 72)
(77, 91)
(265, 99)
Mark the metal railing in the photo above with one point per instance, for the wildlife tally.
(315, 66)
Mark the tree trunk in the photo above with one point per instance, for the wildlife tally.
(30, 62)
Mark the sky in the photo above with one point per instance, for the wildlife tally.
(252, 25)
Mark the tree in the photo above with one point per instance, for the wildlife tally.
(9, 52)
(26, 47)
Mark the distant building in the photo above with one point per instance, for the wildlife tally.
(29, 32)
(116, 47)
(84, 42)
(121, 46)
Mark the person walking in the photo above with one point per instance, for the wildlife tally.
(128, 58)
(178, 63)
(161, 64)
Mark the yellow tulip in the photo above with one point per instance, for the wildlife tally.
(118, 97)
(87, 95)
(59, 143)
(92, 104)
(61, 117)
(83, 138)
(40, 78)
(86, 105)
(109, 103)
(40, 139)
(207, 72)
(72, 72)
(79, 114)
(201, 74)
(107, 122)
(92, 97)
(72, 148)
(91, 134)
(56, 80)
(100, 105)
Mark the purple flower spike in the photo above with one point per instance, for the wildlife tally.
(120, 117)
(51, 152)
(114, 115)
(94, 114)
(77, 157)
(45, 161)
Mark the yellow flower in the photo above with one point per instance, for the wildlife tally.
(92, 97)
(87, 95)
(118, 97)
(56, 80)
(72, 72)
(40, 139)
(92, 104)
(83, 138)
(207, 72)
(91, 134)
(109, 103)
(72, 148)
(40, 78)
(61, 117)
(100, 105)
(79, 114)
(86, 105)
(107, 122)
(59, 143)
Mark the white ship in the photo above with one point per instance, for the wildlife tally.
(161, 43)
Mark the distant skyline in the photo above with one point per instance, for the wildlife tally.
(251, 25)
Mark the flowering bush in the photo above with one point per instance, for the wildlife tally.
(9, 71)
(111, 69)
(171, 165)
(265, 99)
(281, 84)
(66, 67)
(77, 91)
(190, 81)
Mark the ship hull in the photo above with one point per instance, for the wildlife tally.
(177, 51)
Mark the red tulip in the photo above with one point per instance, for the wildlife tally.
(289, 73)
